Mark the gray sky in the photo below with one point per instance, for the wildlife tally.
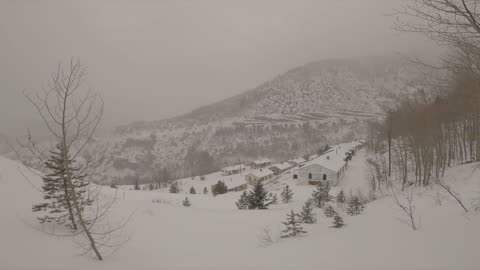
(155, 59)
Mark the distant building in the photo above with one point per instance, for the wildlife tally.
(234, 169)
(258, 175)
(280, 167)
(322, 169)
(261, 163)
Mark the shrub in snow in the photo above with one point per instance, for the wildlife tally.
(258, 197)
(150, 186)
(219, 188)
(355, 206)
(186, 202)
(243, 202)
(341, 197)
(174, 187)
(337, 222)
(329, 211)
(321, 194)
(192, 190)
(286, 194)
(273, 198)
(307, 214)
(293, 225)
(202, 178)
(205, 190)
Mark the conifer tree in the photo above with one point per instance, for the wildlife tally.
(321, 194)
(243, 202)
(151, 186)
(186, 202)
(136, 184)
(329, 211)
(219, 188)
(286, 194)
(59, 207)
(205, 190)
(258, 197)
(307, 214)
(174, 187)
(355, 206)
(192, 190)
(293, 226)
(341, 197)
(337, 222)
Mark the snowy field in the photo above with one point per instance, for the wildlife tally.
(213, 234)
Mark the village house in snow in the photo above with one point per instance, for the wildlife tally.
(280, 167)
(261, 175)
(234, 169)
(330, 166)
(260, 163)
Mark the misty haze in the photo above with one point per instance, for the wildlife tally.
(240, 134)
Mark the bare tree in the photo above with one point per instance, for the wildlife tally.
(448, 189)
(406, 204)
(71, 114)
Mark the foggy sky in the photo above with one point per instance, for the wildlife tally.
(155, 59)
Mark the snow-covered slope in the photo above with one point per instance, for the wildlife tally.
(293, 114)
(213, 234)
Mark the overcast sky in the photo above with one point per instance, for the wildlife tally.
(155, 59)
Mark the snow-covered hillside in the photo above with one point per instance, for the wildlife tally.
(295, 113)
(166, 235)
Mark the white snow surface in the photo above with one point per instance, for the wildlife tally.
(213, 234)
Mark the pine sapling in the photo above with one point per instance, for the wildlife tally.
(193, 191)
(286, 194)
(337, 222)
(205, 190)
(186, 202)
(307, 214)
(330, 211)
(293, 225)
(273, 198)
(243, 202)
(355, 206)
(341, 197)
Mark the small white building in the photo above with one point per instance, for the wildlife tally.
(327, 167)
(234, 169)
(261, 175)
(261, 163)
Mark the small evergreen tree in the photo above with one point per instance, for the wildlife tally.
(329, 211)
(243, 202)
(186, 202)
(293, 226)
(205, 190)
(58, 205)
(307, 214)
(355, 206)
(151, 186)
(321, 194)
(286, 194)
(193, 191)
(337, 222)
(258, 197)
(219, 188)
(174, 187)
(341, 197)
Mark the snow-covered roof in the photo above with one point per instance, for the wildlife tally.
(298, 160)
(282, 166)
(262, 161)
(234, 167)
(334, 159)
(259, 173)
